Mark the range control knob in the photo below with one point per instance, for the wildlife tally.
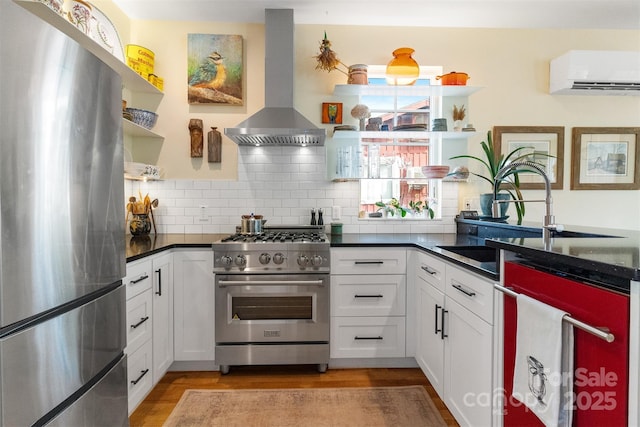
(316, 260)
(278, 258)
(241, 261)
(264, 258)
(303, 261)
(226, 261)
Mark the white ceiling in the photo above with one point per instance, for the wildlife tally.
(589, 14)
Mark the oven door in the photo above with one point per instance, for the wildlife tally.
(272, 308)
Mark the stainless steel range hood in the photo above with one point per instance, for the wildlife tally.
(278, 123)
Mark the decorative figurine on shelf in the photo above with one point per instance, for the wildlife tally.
(214, 146)
(197, 141)
(361, 112)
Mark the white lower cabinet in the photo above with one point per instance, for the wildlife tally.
(194, 302)
(162, 268)
(149, 348)
(139, 374)
(139, 331)
(430, 344)
(467, 368)
(454, 344)
(368, 303)
(365, 337)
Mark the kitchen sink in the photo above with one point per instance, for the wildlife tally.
(567, 233)
(477, 253)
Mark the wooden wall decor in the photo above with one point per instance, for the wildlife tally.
(197, 137)
(214, 146)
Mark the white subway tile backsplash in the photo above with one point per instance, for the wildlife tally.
(184, 184)
(283, 184)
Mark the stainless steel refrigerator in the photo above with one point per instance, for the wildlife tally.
(62, 302)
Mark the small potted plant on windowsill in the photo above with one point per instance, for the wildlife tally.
(393, 207)
(420, 207)
(493, 163)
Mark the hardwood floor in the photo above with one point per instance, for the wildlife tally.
(155, 409)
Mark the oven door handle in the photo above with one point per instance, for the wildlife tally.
(225, 283)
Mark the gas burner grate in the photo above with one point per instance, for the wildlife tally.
(277, 237)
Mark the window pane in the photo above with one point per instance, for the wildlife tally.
(398, 159)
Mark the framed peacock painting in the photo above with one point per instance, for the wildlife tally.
(214, 69)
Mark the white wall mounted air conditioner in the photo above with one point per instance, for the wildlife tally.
(595, 72)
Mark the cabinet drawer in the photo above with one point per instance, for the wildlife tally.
(139, 375)
(368, 261)
(138, 278)
(139, 321)
(473, 292)
(382, 295)
(431, 270)
(367, 337)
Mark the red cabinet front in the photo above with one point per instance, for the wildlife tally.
(601, 368)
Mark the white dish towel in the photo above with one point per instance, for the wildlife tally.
(543, 374)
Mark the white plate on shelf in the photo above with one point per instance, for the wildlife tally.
(105, 34)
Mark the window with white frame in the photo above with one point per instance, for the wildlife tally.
(393, 184)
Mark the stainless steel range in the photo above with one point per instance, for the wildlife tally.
(272, 297)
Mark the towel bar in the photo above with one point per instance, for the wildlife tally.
(601, 333)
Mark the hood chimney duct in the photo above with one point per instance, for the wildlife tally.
(278, 123)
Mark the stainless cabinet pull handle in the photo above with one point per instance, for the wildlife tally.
(367, 338)
(159, 271)
(224, 283)
(428, 270)
(368, 262)
(368, 296)
(436, 320)
(142, 320)
(137, 380)
(140, 279)
(464, 291)
(442, 334)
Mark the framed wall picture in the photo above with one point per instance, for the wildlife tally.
(214, 69)
(605, 158)
(332, 112)
(543, 145)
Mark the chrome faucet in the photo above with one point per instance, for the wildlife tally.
(548, 223)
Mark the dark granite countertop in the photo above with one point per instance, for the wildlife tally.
(138, 247)
(602, 260)
(612, 261)
(614, 258)
(427, 242)
(609, 257)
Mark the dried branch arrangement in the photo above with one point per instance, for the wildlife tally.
(328, 59)
(459, 113)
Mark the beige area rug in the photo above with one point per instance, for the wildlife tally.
(377, 406)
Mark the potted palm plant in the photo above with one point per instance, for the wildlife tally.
(493, 163)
